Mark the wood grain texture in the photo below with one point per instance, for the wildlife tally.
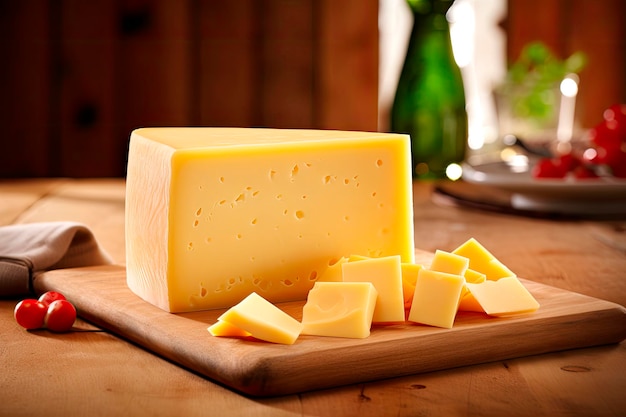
(565, 320)
(95, 372)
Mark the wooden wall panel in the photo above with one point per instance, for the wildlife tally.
(84, 132)
(347, 59)
(287, 64)
(81, 75)
(25, 88)
(227, 77)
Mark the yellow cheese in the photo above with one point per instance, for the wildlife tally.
(481, 260)
(503, 297)
(355, 258)
(436, 298)
(333, 272)
(213, 214)
(449, 262)
(386, 275)
(409, 278)
(340, 309)
(223, 328)
(469, 303)
(474, 276)
(263, 320)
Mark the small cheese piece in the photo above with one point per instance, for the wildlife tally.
(339, 309)
(449, 263)
(223, 328)
(481, 260)
(409, 279)
(474, 276)
(333, 271)
(386, 275)
(213, 214)
(263, 320)
(469, 303)
(436, 298)
(506, 296)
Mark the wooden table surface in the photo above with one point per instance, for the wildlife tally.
(95, 373)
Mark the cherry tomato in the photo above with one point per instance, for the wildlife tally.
(615, 112)
(60, 316)
(583, 171)
(50, 296)
(549, 168)
(30, 314)
(607, 134)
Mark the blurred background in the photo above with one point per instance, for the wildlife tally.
(78, 76)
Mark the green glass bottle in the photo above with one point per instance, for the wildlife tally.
(429, 104)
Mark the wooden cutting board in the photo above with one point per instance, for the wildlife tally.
(565, 320)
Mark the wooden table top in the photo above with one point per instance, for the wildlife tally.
(93, 372)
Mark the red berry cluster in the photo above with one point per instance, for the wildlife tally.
(51, 310)
(606, 152)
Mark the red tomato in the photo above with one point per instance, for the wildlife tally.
(30, 314)
(616, 112)
(50, 296)
(60, 316)
(549, 168)
(608, 134)
(583, 171)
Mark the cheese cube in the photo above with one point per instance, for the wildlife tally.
(449, 262)
(409, 279)
(503, 297)
(223, 328)
(474, 277)
(263, 320)
(386, 275)
(481, 260)
(469, 303)
(436, 298)
(340, 309)
(213, 214)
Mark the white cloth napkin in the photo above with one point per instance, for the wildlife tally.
(26, 249)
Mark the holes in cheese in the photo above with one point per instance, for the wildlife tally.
(339, 309)
(208, 204)
(263, 320)
(386, 275)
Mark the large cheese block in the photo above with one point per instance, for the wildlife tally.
(214, 214)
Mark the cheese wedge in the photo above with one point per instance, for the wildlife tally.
(481, 260)
(449, 262)
(339, 309)
(506, 296)
(213, 214)
(263, 320)
(436, 298)
(409, 279)
(223, 328)
(386, 275)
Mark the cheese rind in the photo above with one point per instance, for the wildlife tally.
(339, 309)
(506, 296)
(386, 275)
(436, 298)
(263, 320)
(213, 214)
